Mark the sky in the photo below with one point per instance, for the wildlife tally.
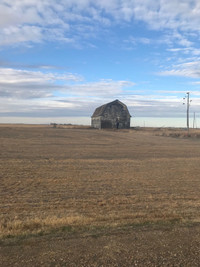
(59, 60)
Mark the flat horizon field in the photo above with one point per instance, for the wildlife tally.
(76, 196)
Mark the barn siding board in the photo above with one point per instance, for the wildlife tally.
(112, 115)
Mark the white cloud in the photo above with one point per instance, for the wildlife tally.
(19, 83)
(39, 93)
(32, 94)
(20, 19)
(30, 81)
(22, 34)
(171, 14)
(77, 22)
(103, 88)
(8, 75)
(188, 69)
(186, 50)
(138, 40)
(197, 83)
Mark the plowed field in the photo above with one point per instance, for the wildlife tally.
(75, 196)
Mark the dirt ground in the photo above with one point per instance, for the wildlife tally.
(142, 246)
(75, 196)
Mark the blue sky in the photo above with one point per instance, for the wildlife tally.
(62, 59)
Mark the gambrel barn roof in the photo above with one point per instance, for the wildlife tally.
(100, 110)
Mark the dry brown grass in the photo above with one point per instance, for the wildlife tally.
(54, 178)
(172, 132)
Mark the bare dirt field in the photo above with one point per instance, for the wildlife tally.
(75, 196)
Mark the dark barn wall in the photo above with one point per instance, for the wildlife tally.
(117, 117)
(112, 115)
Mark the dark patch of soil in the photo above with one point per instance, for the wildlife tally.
(134, 246)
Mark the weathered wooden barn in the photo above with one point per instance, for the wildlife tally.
(112, 115)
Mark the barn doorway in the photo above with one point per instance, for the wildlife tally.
(106, 124)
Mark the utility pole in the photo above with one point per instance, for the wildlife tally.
(188, 109)
(194, 121)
